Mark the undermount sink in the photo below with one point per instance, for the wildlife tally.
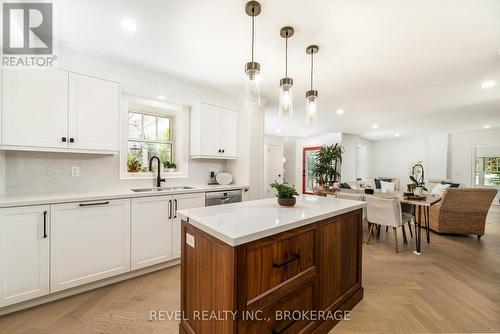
(144, 190)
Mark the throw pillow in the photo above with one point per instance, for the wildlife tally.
(377, 183)
(387, 186)
(439, 189)
(344, 185)
(452, 185)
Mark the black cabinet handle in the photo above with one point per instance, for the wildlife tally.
(169, 209)
(71, 140)
(175, 209)
(63, 139)
(290, 324)
(294, 257)
(220, 151)
(45, 224)
(93, 204)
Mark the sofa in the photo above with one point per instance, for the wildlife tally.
(462, 211)
(360, 184)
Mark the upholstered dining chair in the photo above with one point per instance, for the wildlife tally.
(353, 196)
(386, 212)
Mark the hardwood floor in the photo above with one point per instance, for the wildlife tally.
(453, 287)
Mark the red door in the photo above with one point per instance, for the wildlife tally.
(308, 161)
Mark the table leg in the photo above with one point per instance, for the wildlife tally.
(427, 223)
(418, 224)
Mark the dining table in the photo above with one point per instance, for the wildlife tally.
(422, 208)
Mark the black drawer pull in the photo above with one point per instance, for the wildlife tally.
(295, 257)
(72, 140)
(45, 224)
(290, 324)
(63, 139)
(93, 204)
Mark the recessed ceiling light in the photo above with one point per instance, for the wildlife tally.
(340, 111)
(488, 84)
(129, 25)
(486, 126)
(375, 126)
(161, 97)
(396, 134)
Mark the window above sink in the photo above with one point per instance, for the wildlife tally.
(153, 128)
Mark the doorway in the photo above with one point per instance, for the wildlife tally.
(309, 181)
(273, 167)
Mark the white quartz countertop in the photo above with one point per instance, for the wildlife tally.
(240, 223)
(12, 200)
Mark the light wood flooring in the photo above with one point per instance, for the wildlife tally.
(453, 287)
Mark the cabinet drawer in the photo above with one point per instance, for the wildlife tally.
(289, 314)
(275, 260)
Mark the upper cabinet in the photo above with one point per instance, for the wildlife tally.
(55, 110)
(93, 113)
(35, 108)
(214, 132)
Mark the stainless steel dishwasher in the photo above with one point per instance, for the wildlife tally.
(222, 197)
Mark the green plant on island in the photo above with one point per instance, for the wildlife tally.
(284, 190)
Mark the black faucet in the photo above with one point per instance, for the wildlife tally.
(159, 180)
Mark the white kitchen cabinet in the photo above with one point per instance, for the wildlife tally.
(151, 231)
(24, 253)
(55, 110)
(214, 132)
(181, 202)
(93, 113)
(90, 241)
(156, 229)
(35, 108)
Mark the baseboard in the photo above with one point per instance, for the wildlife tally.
(86, 287)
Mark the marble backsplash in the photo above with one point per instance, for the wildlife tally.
(36, 172)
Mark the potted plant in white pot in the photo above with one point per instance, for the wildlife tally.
(170, 167)
(285, 193)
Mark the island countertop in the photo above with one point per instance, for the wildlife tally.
(240, 223)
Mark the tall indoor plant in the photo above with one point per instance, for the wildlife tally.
(328, 163)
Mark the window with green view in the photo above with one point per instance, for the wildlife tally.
(149, 135)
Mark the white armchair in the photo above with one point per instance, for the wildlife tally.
(387, 212)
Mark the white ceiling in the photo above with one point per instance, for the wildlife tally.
(409, 66)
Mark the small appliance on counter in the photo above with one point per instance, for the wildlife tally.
(222, 178)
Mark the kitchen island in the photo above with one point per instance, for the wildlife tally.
(255, 267)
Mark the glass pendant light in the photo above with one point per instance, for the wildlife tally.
(312, 95)
(286, 83)
(252, 69)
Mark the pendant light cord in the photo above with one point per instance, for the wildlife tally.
(286, 56)
(312, 67)
(253, 20)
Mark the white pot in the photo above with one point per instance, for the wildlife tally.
(418, 191)
(170, 170)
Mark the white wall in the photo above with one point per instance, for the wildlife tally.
(289, 152)
(43, 172)
(349, 142)
(392, 158)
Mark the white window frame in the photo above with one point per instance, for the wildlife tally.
(179, 116)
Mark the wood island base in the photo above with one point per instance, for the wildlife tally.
(298, 281)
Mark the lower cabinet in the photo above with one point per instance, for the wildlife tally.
(90, 241)
(156, 231)
(24, 253)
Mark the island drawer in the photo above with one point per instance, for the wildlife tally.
(289, 314)
(277, 263)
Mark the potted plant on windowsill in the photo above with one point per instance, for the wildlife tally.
(285, 193)
(134, 165)
(170, 167)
